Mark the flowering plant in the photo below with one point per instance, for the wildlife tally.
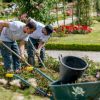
(74, 29)
(80, 29)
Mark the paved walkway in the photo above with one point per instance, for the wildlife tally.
(95, 56)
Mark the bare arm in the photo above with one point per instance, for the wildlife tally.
(3, 24)
(41, 44)
(22, 48)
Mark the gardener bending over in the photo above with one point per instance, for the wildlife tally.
(12, 31)
(38, 38)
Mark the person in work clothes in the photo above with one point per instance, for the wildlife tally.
(38, 38)
(10, 32)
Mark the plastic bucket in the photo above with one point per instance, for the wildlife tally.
(71, 68)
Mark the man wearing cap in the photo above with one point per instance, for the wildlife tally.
(38, 38)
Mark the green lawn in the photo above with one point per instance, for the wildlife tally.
(79, 39)
(92, 38)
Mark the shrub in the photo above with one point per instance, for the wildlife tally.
(52, 63)
(92, 66)
(54, 46)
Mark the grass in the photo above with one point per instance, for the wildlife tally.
(92, 38)
(84, 39)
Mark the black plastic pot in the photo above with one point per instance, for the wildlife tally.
(71, 68)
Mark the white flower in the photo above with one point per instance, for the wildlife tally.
(3, 81)
(78, 91)
(33, 82)
(16, 83)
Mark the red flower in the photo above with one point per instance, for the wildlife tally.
(76, 28)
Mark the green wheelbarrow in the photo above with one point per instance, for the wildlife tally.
(77, 91)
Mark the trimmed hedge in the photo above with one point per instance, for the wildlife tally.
(89, 47)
